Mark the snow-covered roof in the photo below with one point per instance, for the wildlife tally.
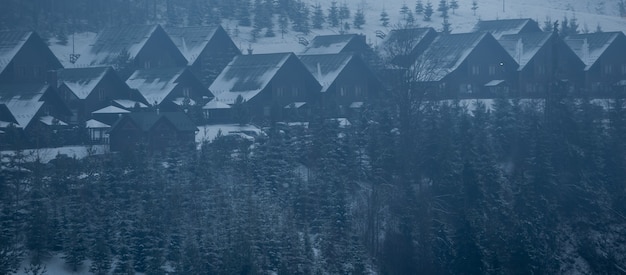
(82, 81)
(326, 67)
(214, 104)
(110, 110)
(523, 47)
(94, 124)
(155, 84)
(501, 27)
(113, 43)
(23, 101)
(295, 105)
(494, 83)
(5, 124)
(329, 44)
(356, 104)
(590, 46)
(146, 120)
(446, 53)
(128, 104)
(247, 75)
(10, 44)
(180, 101)
(191, 41)
(50, 120)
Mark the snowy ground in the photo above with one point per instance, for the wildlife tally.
(589, 13)
(45, 155)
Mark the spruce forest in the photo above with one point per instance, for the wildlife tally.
(411, 186)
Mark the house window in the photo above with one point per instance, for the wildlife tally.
(207, 114)
(358, 91)
(101, 94)
(475, 70)
(280, 92)
(466, 88)
(624, 69)
(492, 69)
(295, 92)
(20, 71)
(186, 92)
(608, 69)
(266, 110)
(146, 64)
(342, 91)
(541, 69)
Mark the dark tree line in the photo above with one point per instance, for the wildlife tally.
(502, 187)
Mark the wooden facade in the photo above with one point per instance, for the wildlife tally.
(153, 131)
(25, 58)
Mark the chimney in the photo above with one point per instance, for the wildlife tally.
(52, 78)
(319, 71)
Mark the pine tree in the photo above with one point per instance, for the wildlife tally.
(344, 12)
(359, 19)
(333, 14)
(428, 11)
(318, 16)
(243, 14)
(419, 7)
(301, 18)
(621, 6)
(454, 4)
(446, 26)
(474, 6)
(404, 11)
(384, 18)
(283, 24)
(443, 8)
(547, 24)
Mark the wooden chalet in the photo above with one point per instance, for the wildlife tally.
(501, 27)
(347, 82)
(130, 48)
(88, 89)
(170, 89)
(604, 59)
(537, 53)
(25, 58)
(35, 114)
(466, 65)
(207, 49)
(402, 46)
(153, 131)
(260, 86)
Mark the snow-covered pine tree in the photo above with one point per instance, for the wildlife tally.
(243, 14)
(344, 12)
(428, 11)
(333, 14)
(547, 24)
(404, 11)
(474, 6)
(446, 26)
(359, 19)
(384, 18)
(283, 23)
(301, 20)
(443, 8)
(454, 4)
(419, 7)
(318, 16)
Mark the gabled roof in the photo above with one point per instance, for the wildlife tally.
(155, 84)
(11, 42)
(146, 120)
(95, 124)
(328, 44)
(589, 47)
(326, 67)
(82, 81)
(500, 27)
(214, 104)
(247, 75)
(446, 53)
(412, 37)
(23, 101)
(523, 47)
(111, 43)
(111, 110)
(191, 41)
